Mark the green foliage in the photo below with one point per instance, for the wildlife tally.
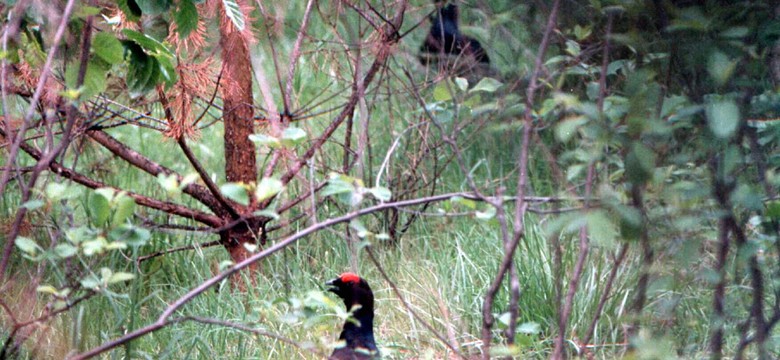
(234, 13)
(186, 18)
(149, 63)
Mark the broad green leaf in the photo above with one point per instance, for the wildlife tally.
(95, 246)
(106, 193)
(130, 9)
(462, 83)
(640, 164)
(65, 250)
(91, 282)
(233, 12)
(79, 234)
(27, 245)
(442, 91)
(169, 183)
(130, 234)
(235, 192)
(529, 328)
(124, 207)
(292, 136)
(116, 245)
(720, 67)
(723, 117)
(602, 230)
(487, 85)
(773, 210)
(380, 193)
(47, 289)
(99, 209)
(186, 18)
(268, 188)
(153, 7)
(487, 214)
(108, 47)
(566, 128)
(267, 140)
(468, 203)
(267, 213)
(33, 204)
(120, 277)
(359, 228)
(58, 191)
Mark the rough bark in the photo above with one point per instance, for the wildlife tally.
(240, 163)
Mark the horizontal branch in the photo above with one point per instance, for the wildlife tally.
(136, 159)
(164, 318)
(168, 207)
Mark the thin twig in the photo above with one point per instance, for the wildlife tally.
(409, 307)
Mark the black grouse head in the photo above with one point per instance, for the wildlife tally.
(358, 334)
(445, 38)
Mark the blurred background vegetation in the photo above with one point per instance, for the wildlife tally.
(654, 132)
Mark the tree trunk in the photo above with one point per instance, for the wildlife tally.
(240, 164)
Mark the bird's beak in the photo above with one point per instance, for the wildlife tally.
(331, 285)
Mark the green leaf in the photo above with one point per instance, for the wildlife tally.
(268, 188)
(186, 18)
(267, 140)
(57, 191)
(169, 183)
(267, 213)
(487, 85)
(602, 229)
(442, 91)
(720, 67)
(99, 209)
(33, 204)
(773, 210)
(47, 289)
(292, 136)
(27, 245)
(130, 235)
(91, 282)
(235, 192)
(640, 164)
(79, 234)
(380, 193)
(153, 7)
(723, 117)
(462, 83)
(124, 205)
(359, 228)
(108, 47)
(65, 250)
(487, 214)
(120, 277)
(94, 247)
(566, 129)
(529, 328)
(233, 12)
(468, 203)
(130, 9)
(116, 245)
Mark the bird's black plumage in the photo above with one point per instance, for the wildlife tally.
(445, 37)
(359, 334)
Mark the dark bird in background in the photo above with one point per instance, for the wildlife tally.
(358, 332)
(445, 38)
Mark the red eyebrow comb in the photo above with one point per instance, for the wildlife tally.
(349, 277)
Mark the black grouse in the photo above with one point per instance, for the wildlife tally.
(445, 38)
(358, 333)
